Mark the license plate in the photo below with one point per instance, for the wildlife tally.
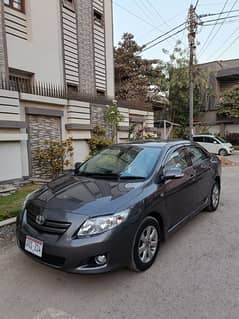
(34, 246)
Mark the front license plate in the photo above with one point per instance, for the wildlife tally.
(34, 246)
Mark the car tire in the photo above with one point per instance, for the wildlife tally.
(146, 245)
(214, 198)
(222, 152)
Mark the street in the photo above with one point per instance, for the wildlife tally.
(195, 276)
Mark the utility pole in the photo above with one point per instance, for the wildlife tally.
(192, 25)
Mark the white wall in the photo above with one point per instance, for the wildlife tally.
(41, 54)
(81, 151)
(10, 161)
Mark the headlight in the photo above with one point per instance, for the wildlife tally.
(101, 224)
(27, 198)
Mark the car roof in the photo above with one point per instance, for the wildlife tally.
(153, 143)
(207, 135)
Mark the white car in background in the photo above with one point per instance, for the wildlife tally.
(214, 144)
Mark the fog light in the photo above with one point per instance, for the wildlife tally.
(101, 260)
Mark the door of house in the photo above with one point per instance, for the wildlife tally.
(40, 129)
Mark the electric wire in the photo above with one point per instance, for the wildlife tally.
(169, 37)
(214, 26)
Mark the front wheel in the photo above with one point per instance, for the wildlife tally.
(146, 245)
(214, 197)
(222, 152)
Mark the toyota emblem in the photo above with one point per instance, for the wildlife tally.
(40, 220)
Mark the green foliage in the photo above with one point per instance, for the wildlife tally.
(134, 75)
(177, 79)
(113, 117)
(98, 141)
(229, 104)
(11, 205)
(55, 155)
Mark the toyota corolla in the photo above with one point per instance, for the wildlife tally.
(117, 207)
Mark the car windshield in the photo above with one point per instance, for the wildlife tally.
(221, 139)
(130, 161)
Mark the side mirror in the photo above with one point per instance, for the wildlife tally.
(77, 166)
(215, 142)
(173, 173)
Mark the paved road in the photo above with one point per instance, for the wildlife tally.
(234, 156)
(195, 277)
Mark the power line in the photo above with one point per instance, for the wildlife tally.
(215, 14)
(157, 12)
(135, 15)
(229, 38)
(166, 33)
(145, 13)
(227, 17)
(220, 19)
(211, 32)
(233, 42)
(220, 23)
(169, 37)
(195, 7)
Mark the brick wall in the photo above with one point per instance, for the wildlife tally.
(86, 46)
(40, 129)
(3, 59)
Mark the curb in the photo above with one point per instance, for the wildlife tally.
(7, 222)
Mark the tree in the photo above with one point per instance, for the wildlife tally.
(134, 75)
(113, 117)
(98, 141)
(229, 104)
(55, 155)
(177, 83)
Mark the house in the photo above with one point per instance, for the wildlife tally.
(56, 78)
(223, 75)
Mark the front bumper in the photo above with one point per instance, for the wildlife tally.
(77, 255)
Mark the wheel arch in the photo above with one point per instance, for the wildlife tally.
(218, 180)
(160, 220)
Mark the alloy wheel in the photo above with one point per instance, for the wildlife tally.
(148, 244)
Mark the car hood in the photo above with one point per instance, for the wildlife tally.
(84, 196)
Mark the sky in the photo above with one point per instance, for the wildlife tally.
(147, 19)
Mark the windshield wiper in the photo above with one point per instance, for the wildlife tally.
(132, 177)
(106, 175)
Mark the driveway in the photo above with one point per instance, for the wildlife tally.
(195, 276)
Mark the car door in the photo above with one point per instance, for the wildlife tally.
(177, 193)
(203, 178)
(211, 144)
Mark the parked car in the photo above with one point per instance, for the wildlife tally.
(117, 207)
(214, 144)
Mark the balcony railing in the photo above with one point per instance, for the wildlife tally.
(51, 90)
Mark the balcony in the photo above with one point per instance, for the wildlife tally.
(51, 90)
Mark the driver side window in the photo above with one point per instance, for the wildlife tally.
(177, 159)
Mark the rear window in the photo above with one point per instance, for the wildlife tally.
(198, 138)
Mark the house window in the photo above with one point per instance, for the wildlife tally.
(18, 5)
(72, 88)
(100, 92)
(98, 18)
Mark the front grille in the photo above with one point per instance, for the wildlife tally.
(49, 259)
(49, 226)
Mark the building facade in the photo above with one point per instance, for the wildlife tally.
(222, 75)
(56, 78)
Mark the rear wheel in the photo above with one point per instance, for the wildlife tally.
(222, 152)
(146, 245)
(214, 198)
